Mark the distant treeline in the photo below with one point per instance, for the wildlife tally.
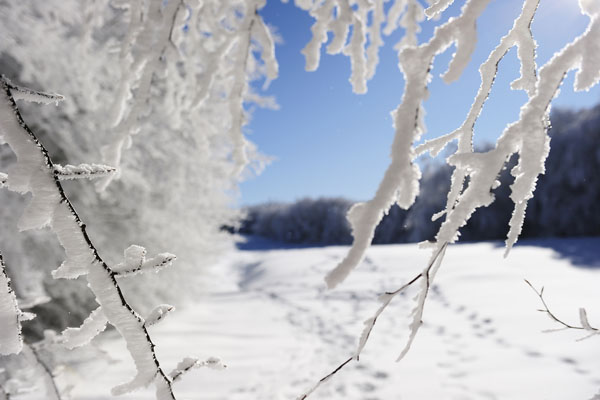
(566, 202)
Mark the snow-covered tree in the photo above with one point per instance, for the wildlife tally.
(155, 91)
(174, 73)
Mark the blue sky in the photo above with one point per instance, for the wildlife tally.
(327, 141)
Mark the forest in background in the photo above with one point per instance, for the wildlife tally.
(566, 201)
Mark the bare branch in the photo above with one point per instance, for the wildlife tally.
(585, 325)
(136, 262)
(158, 314)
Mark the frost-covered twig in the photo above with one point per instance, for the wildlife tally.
(187, 364)
(83, 171)
(152, 39)
(527, 137)
(425, 277)
(239, 87)
(437, 7)
(585, 325)
(365, 20)
(324, 379)
(26, 94)
(136, 262)
(11, 341)
(94, 324)
(34, 172)
(158, 314)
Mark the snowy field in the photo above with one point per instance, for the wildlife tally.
(270, 319)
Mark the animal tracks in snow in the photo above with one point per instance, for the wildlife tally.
(268, 316)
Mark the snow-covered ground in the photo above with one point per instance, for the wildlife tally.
(270, 319)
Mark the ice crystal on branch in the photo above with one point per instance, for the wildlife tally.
(35, 172)
(136, 262)
(83, 171)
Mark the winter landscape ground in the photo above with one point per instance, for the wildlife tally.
(269, 317)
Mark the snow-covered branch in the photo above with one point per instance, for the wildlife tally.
(437, 7)
(365, 20)
(33, 96)
(526, 137)
(475, 174)
(400, 182)
(136, 262)
(149, 38)
(520, 36)
(187, 364)
(158, 314)
(83, 171)
(11, 341)
(34, 172)
(91, 327)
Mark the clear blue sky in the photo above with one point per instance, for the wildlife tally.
(327, 141)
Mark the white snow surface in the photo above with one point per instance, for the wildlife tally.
(270, 319)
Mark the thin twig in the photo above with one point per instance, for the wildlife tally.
(326, 378)
(547, 311)
(387, 298)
